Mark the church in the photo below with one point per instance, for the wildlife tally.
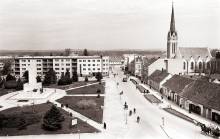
(182, 60)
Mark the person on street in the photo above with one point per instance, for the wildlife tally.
(138, 119)
(134, 110)
(104, 125)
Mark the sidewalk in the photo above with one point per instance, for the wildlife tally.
(166, 103)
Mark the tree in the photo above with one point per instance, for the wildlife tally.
(75, 77)
(50, 77)
(19, 84)
(86, 79)
(53, 119)
(38, 78)
(1, 82)
(9, 77)
(85, 52)
(67, 51)
(26, 76)
(6, 68)
(98, 76)
(65, 79)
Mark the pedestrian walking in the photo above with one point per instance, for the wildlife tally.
(104, 125)
(134, 110)
(130, 112)
(138, 119)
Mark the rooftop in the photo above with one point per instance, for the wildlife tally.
(158, 76)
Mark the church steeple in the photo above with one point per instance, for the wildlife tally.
(172, 22)
(172, 38)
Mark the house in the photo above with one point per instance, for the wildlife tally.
(203, 98)
(157, 78)
(145, 68)
(174, 86)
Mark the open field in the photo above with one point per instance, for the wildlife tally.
(33, 118)
(94, 112)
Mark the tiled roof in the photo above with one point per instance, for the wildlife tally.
(195, 52)
(158, 76)
(204, 93)
(177, 83)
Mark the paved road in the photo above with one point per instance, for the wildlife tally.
(151, 117)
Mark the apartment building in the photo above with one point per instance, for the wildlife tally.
(90, 65)
(84, 65)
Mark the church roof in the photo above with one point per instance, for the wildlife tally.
(195, 52)
(172, 22)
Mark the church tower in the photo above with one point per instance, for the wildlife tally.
(172, 38)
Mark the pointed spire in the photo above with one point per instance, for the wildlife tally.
(172, 22)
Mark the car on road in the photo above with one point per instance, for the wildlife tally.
(125, 79)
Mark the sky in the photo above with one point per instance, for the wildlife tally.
(106, 24)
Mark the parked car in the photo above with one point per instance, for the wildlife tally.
(124, 79)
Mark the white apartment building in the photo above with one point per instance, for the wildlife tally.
(84, 65)
(90, 65)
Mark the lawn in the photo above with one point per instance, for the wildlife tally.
(33, 117)
(92, 89)
(95, 113)
(6, 91)
(74, 84)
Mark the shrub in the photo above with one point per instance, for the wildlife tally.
(99, 76)
(19, 85)
(12, 84)
(9, 77)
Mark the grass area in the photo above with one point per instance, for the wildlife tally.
(6, 91)
(35, 120)
(152, 98)
(181, 115)
(94, 112)
(74, 84)
(92, 89)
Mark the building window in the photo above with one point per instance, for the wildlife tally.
(84, 68)
(38, 68)
(84, 64)
(84, 60)
(89, 64)
(88, 60)
(56, 59)
(93, 60)
(56, 64)
(57, 69)
(184, 65)
(98, 60)
(67, 64)
(38, 60)
(98, 69)
(93, 64)
(200, 65)
(192, 65)
(80, 60)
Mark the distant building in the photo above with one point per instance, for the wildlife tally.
(83, 65)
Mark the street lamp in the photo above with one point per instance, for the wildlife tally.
(79, 133)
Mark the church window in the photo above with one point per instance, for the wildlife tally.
(200, 65)
(184, 65)
(192, 65)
